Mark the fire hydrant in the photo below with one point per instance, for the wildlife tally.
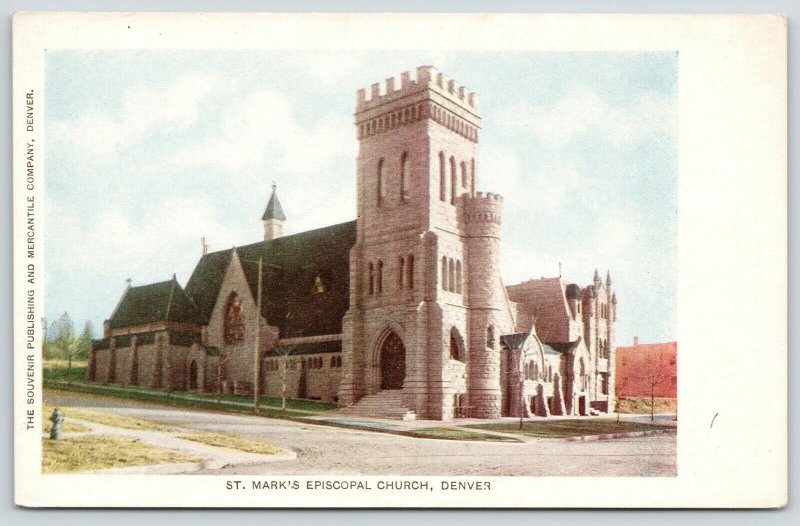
(56, 418)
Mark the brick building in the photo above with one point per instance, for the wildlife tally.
(401, 313)
(645, 367)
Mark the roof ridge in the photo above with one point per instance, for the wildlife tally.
(282, 238)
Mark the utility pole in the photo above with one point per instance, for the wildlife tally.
(257, 350)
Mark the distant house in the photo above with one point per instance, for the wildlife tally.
(645, 366)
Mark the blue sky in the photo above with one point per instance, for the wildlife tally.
(149, 150)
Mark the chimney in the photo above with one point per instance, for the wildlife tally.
(203, 246)
(635, 341)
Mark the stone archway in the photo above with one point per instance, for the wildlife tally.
(392, 362)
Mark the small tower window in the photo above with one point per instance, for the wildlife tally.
(371, 279)
(451, 276)
(490, 337)
(403, 178)
(401, 277)
(472, 177)
(458, 276)
(444, 273)
(442, 178)
(463, 174)
(453, 181)
(381, 183)
(379, 284)
(410, 268)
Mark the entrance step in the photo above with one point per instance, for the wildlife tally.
(383, 404)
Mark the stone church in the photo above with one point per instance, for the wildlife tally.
(401, 313)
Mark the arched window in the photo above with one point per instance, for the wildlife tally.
(463, 174)
(472, 177)
(381, 183)
(234, 324)
(453, 181)
(410, 267)
(457, 345)
(451, 276)
(403, 178)
(379, 284)
(490, 337)
(401, 276)
(444, 273)
(371, 279)
(458, 276)
(442, 178)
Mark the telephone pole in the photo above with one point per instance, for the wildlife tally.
(257, 351)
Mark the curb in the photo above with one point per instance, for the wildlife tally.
(627, 434)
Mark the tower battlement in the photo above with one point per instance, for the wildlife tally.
(482, 208)
(427, 78)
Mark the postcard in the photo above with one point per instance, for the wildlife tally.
(418, 260)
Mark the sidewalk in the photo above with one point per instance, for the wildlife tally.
(214, 457)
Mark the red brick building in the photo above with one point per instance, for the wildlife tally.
(642, 367)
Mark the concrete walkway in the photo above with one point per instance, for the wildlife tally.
(213, 457)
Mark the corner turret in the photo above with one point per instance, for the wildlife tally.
(273, 217)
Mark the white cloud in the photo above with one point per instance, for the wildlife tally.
(583, 111)
(263, 129)
(544, 189)
(144, 109)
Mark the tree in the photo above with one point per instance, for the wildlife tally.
(284, 351)
(66, 344)
(653, 373)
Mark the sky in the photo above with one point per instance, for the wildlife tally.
(147, 151)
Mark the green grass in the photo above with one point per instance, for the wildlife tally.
(568, 428)
(92, 452)
(163, 398)
(107, 419)
(57, 371)
(449, 433)
(266, 401)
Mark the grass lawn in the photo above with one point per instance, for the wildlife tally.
(239, 443)
(448, 433)
(178, 399)
(57, 371)
(89, 453)
(107, 419)
(568, 428)
(641, 405)
(266, 401)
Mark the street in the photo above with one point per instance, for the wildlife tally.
(324, 450)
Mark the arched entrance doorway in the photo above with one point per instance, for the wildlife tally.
(393, 362)
(193, 376)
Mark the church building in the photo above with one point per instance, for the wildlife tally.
(401, 313)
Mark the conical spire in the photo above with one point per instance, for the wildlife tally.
(274, 209)
(608, 279)
(596, 276)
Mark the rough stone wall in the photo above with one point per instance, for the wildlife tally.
(481, 220)
(319, 383)
(238, 357)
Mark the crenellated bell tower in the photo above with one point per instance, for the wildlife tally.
(417, 162)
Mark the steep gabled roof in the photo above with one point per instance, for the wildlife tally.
(291, 266)
(545, 301)
(162, 301)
